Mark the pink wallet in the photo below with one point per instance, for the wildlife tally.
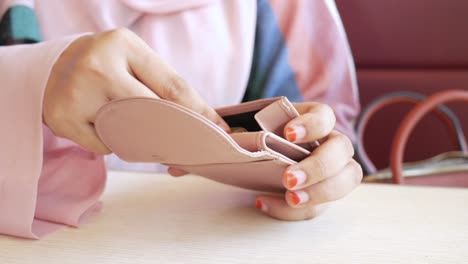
(254, 156)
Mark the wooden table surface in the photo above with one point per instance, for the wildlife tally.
(153, 218)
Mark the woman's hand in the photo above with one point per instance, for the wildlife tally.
(103, 67)
(328, 174)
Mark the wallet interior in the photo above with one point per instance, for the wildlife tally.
(243, 120)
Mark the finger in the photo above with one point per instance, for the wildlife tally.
(316, 122)
(85, 135)
(149, 69)
(127, 86)
(328, 190)
(277, 207)
(325, 161)
(176, 172)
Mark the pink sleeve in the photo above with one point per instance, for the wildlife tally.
(320, 56)
(45, 182)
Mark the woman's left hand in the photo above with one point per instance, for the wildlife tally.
(328, 174)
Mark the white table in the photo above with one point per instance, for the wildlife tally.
(150, 218)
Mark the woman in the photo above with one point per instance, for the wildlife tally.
(210, 53)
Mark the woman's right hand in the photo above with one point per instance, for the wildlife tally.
(99, 68)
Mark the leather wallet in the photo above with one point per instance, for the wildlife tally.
(254, 156)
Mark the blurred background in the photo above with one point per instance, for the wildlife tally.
(401, 45)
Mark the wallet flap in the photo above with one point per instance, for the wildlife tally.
(156, 130)
(272, 144)
(252, 106)
(275, 116)
(291, 151)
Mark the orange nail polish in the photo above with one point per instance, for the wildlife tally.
(294, 198)
(290, 134)
(261, 206)
(291, 180)
(258, 204)
(298, 197)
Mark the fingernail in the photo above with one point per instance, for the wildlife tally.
(261, 206)
(224, 127)
(298, 197)
(295, 133)
(295, 178)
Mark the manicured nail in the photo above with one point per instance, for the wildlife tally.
(224, 127)
(261, 206)
(298, 197)
(295, 133)
(295, 178)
